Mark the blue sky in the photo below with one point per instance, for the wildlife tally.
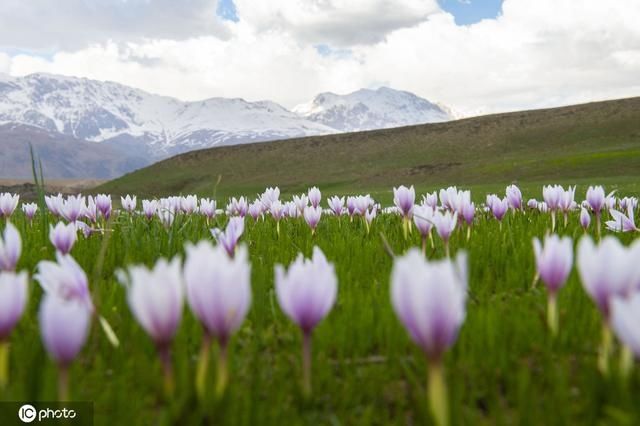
(227, 10)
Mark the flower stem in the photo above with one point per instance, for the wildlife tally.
(165, 359)
(605, 349)
(306, 364)
(553, 220)
(552, 314)
(222, 372)
(203, 367)
(424, 246)
(626, 362)
(598, 225)
(437, 393)
(4, 364)
(63, 383)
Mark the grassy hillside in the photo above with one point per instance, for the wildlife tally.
(596, 142)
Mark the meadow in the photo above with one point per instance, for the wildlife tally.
(504, 368)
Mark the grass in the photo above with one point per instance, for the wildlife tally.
(580, 144)
(504, 369)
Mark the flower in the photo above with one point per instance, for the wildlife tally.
(423, 219)
(155, 298)
(10, 248)
(445, 223)
(149, 208)
(269, 196)
(514, 197)
(351, 206)
(73, 207)
(63, 237)
(90, 210)
(255, 210)
(532, 203)
(336, 205)
(429, 298)
(430, 200)
(8, 203)
(595, 198)
(554, 260)
(404, 198)
(54, 203)
(218, 287)
(625, 317)
(13, 299)
(277, 210)
(230, 237)
(207, 208)
(65, 279)
(103, 203)
(237, 207)
(552, 196)
(499, 207)
(189, 204)
(606, 270)
(585, 218)
(301, 201)
(620, 222)
(307, 290)
(370, 214)
(314, 196)
(312, 216)
(129, 203)
(30, 210)
(64, 326)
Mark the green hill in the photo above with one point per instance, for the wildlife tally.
(592, 143)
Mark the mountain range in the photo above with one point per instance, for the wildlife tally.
(83, 128)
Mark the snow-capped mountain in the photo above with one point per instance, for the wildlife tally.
(104, 111)
(144, 127)
(368, 109)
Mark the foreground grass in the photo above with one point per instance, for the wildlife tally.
(504, 369)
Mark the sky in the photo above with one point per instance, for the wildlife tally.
(475, 56)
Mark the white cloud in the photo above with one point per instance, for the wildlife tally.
(535, 54)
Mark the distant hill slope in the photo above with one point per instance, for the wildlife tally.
(594, 140)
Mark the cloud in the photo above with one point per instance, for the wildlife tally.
(73, 24)
(535, 54)
(335, 22)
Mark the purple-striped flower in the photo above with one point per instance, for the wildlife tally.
(10, 248)
(431, 200)
(269, 196)
(404, 198)
(423, 219)
(129, 203)
(499, 207)
(445, 223)
(231, 235)
(585, 218)
(595, 198)
(64, 326)
(29, 210)
(218, 288)
(336, 205)
(207, 208)
(8, 203)
(307, 290)
(312, 217)
(189, 204)
(430, 298)
(90, 210)
(63, 237)
(149, 208)
(369, 215)
(54, 203)
(532, 203)
(315, 196)
(552, 196)
(553, 261)
(622, 222)
(255, 210)
(65, 279)
(13, 299)
(301, 201)
(351, 206)
(103, 203)
(625, 317)
(73, 207)
(514, 197)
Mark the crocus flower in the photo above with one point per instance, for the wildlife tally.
(423, 219)
(553, 263)
(255, 210)
(64, 327)
(90, 210)
(291, 210)
(10, 248)
(277, 212)
(103, 203)
(306, 293)
(429, 298)
(499, 208)
(189, 204)
(532, 203)
(362, 203)
(238, 207)
(585, 218)
(155, 297)
(218, 292)
(129, 203)
(231, 235)
(431, 200)
(8, 203)
(404, 198)
(73, 207)
(207, 208)
(552, 196)
(314, 196)
(269, 196)
(606, 271)
(445, 223)
(514, 197)
(54, 203)
(625, 317)
(567, 202)
(149, 208)
(596, 199)
(63, 237)
(312, 217)
(369, 216)
(64, 279)
(542, 207)
(13, 299)
(448, 198)
(351, 206)
(336, 205)
(301, 201)
(29, 210)
(622, 222)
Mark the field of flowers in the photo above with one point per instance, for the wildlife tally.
(443, 308)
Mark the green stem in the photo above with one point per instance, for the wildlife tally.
(306, 364)
(553, 220)
(222, 372)
(626, 362)
(63, 383)
(424, 246)
(598, 225)
(203, 367)
(536, 277)
(167, 370)
(437, 393)
(552, 314)
(405, 228)
(446, 249)
(4, 364)
(605, 349)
